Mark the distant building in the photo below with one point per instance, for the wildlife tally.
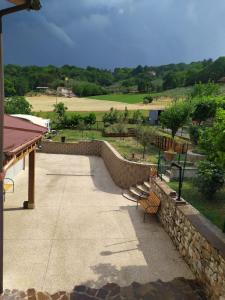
(65, 92)
(154, 116)
(153, 73)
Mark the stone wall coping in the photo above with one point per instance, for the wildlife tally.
(167, 190)
(211, 233)
(205, 228)
(124, 159)
(109, 145)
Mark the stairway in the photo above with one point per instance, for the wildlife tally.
(137, 192)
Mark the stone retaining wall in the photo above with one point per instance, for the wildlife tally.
(123, 172)
(79, 148)
(201, 245)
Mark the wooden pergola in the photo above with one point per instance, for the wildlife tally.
(20, 140)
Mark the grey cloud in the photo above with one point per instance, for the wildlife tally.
(117, 32)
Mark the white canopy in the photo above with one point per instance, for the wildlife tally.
(35, 120)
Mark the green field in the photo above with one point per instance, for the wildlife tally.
(125, 98)
(214, 210)
(138, 98)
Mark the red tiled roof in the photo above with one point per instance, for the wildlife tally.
(20, 133)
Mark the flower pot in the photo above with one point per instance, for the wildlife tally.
(63, 139)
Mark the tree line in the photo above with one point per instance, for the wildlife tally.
(19, 80)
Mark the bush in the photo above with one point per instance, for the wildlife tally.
(175, 116)
(137, 118)
(145, 136)
(17, 105)
(194, 132)
(148, 99)
(204, 109)
(111, 117)
(73, 120)
(85, 89)
(210, 178)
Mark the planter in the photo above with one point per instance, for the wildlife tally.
(63, 139)
(169, 155)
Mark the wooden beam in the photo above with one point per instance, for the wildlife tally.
(30, 204)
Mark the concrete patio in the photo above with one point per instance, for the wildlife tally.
(82, 231)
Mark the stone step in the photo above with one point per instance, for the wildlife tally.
(143, 189)
(168, 173)
(166, 178)
(129, 196)
(147, 185)
(134, 191)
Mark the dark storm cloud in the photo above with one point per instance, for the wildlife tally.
(109, 33)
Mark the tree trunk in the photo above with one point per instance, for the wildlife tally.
(143, 156)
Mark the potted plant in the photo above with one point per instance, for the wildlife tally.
(170, 154)
(63, 139)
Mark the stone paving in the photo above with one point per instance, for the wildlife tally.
(82, 232)
(177, 289)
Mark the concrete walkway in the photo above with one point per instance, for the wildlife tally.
(82, 231)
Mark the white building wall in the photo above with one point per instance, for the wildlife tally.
(15, 169)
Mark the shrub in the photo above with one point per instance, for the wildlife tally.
(17, 105)
(194, 132)
(210, 178)
(111, 117)
(148, 99)
(137, 117)
(90, 119)
(145, 136)
(175, 116)
(85, 89)
(204, 108)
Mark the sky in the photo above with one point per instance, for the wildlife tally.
(115, 33)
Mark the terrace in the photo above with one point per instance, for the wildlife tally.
(82, 231)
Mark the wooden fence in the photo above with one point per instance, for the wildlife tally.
(166, 143)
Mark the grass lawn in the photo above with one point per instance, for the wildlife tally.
(213, 209)
(125, 146)
(138, 97)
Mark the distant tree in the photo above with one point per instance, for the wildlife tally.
(137, 117)
(212, 139)
(148, 99)
(175, 116)
(21, 85)
(125, 114)
(60, 111)
(85, 89)
(17, 105)
(90, 119)
(9, 88)
(145, 136)
(111, 117)
(169, 81)
(82, 126)
(205, 90)
(210, 178)
(120, 127)
(203, 109)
